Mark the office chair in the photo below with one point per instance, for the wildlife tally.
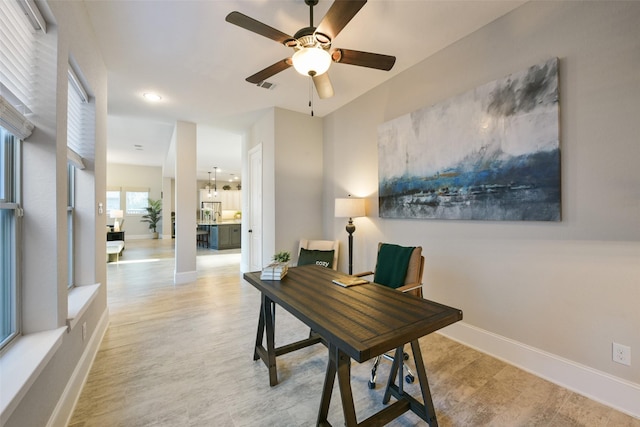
(319, 252)
(401, 268)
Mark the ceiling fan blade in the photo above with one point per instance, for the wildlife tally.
(271, 70)
(338, 16)
(248, 23)
(323, 85)
(363, 59)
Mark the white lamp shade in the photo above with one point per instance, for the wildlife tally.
(116, 213)
(311, 61)
(349, 208)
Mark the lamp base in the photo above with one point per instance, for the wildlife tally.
(350, 229)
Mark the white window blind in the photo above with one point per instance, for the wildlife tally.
(75, 120)
(17, 55)
(18, 23)
(12, 120)
(80, 116)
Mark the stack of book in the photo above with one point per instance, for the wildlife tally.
(274, 271)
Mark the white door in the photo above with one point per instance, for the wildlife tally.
(255, 208)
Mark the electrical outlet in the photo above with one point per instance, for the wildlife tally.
(621, 354)
(84, 331)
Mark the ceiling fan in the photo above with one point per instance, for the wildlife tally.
(312, 45)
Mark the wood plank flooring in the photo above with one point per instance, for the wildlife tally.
(181, 355)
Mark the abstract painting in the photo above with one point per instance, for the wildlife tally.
(492, 153)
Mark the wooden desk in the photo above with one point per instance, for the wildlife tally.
(359, 322)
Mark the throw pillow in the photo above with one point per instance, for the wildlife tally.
(314, 256)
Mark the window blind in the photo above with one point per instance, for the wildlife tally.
(13, 121)
(74, 120)
(17, 55)
(20, 22)
(80, 116)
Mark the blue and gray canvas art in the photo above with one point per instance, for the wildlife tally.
(492, 153)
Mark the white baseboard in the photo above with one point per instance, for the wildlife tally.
(66, 404)
(185, 277)
(607, 389)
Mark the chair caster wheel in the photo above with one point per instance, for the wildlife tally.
(405, 356)
(372, 385)
(409, 379)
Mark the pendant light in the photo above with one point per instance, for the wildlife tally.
(215, 181)
(209, 185)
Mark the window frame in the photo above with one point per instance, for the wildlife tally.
(114, 190)
(10, 168)
(22, 25)
(71, 197)
(78, 123)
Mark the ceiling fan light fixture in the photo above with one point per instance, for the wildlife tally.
(311, 61)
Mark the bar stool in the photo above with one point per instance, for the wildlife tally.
(202, 237)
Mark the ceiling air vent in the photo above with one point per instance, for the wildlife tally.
(265, 84)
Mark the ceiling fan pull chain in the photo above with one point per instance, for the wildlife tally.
(311, 94)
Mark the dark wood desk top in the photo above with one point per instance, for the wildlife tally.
(363, 321)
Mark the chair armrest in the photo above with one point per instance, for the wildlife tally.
(366, 273)
(409, 287)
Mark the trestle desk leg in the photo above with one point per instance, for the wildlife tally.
(340, 364)
(266, 326)
(344, 382)
(327, 389)
(260, 333)
(424, 409)
(424, 385)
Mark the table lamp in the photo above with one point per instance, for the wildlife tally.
(116, 214)
(350, 207)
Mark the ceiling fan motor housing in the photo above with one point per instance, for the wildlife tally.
(307, 37)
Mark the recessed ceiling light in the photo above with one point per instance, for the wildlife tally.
(152, 97)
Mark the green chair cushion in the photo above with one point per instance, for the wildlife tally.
(391, 266)
(314, 256)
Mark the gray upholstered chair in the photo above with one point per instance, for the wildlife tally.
(401, 268)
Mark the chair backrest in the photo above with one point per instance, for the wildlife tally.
(415, 269)
(321, 245)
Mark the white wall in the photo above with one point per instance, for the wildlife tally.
(292, 179)
(44, 295)
(185, 198)
(567, 289)
(298, 180)
(136, 177)
(168, 201)
(263, 133)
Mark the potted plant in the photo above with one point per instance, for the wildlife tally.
(282, 257)
(153, 216)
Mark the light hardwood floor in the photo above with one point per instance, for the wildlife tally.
(182, 356)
